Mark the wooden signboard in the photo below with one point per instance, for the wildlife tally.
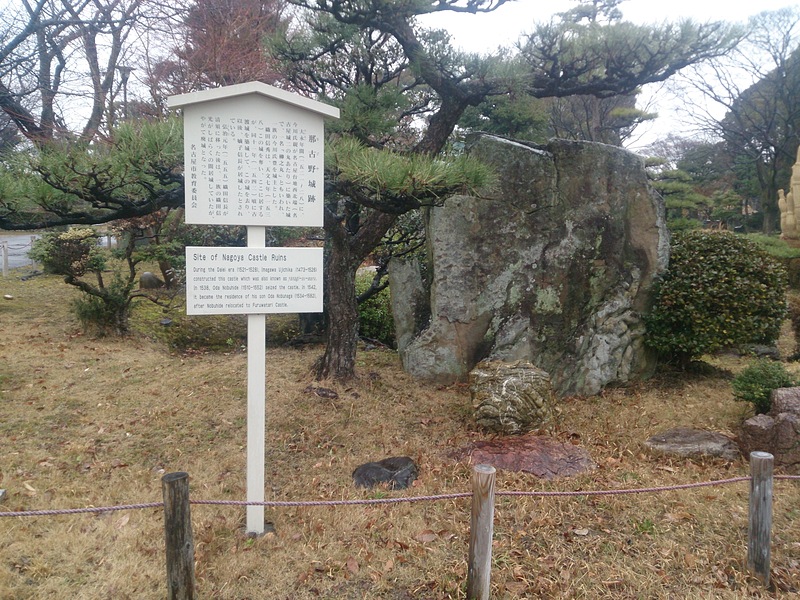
(253, 157)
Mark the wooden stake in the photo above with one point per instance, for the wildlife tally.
(479, 569)
(178, 536)
(760, 527)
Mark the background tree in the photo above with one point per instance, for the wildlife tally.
(516, 115)
(404, 88)
(594, 11)
(9, 136)
(60, 54)
(523, 117)
(695, 178)
(608, 120)
(60, 85)
(605, 120)
(762, 109)
(44, 51)
(224, 42)
(213, 43)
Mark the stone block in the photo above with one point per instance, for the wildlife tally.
(510, 398)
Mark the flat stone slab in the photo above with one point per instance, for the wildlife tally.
(542, 456)
(694, 443)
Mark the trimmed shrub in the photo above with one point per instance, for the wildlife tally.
(375, 314)
(756, 382)
(74, 252)
(720, 290)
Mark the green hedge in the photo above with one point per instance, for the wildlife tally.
(720, 290)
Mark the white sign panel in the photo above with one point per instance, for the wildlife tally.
(253, 161)
(230, 281)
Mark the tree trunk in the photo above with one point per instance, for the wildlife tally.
(348, 250)
(339, 360)
(167, 273)
(769, 208)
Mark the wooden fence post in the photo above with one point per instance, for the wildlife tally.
(479, 569)
(759, 532)
(178, 536)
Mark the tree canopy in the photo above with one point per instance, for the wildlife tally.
(82, 184)
(402, 88)
(57, 56)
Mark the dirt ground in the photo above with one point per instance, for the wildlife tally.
(97, 422)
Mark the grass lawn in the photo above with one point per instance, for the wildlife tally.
(97, 422)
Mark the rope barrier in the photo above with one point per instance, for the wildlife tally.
(311, 503)
(666, 488)
(75, 511)
(280, 503)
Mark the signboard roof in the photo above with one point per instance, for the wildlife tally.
(253, 87)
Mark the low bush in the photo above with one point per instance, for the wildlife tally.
(720, 290)
(104, 307)
(375, 314)
(756, 382)
(108, 311)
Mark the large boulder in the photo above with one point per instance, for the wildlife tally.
(777, 432)
(553, 267)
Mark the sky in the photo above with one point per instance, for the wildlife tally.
(486, 32)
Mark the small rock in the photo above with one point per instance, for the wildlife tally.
(148, 281)
(785, 400)
(777, 432)
(760, 351)
(322, 392)
(3, 495)
(399, 472)
(8, 296)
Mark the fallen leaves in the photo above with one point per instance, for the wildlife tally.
(425, 536)
(122, 521)
(352, 565)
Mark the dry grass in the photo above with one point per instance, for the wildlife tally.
(88, 422)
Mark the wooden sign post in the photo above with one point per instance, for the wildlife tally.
(253, 156)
